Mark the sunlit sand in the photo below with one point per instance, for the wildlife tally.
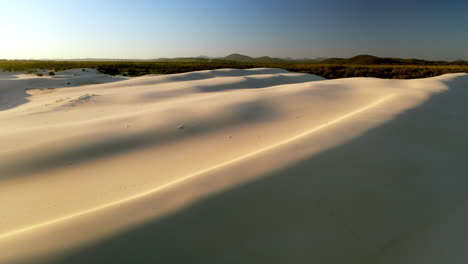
(263, 165)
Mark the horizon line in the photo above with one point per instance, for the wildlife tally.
(221, 57)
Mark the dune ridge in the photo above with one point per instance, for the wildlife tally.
(198, 173)
(73, 155)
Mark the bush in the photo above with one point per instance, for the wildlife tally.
(331, 71)
(51, 73)
(39, 74)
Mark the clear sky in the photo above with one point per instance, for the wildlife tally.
(281, 28)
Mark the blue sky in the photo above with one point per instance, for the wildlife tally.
(176, 28)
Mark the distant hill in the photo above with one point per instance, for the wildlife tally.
(373, 60)
(236, 57)
(243, 58)
(356, 60)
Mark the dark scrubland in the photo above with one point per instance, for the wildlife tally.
(358, 66)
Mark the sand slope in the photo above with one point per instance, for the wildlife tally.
(229, 166)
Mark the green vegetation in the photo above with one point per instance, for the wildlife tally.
(331, 71)
(51, 73)
(359, 66)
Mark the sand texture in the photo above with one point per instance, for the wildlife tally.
(232, 166)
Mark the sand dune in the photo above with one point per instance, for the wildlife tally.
(229, 166)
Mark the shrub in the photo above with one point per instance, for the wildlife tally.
(138, 68)
(39, 74)
(51, 73)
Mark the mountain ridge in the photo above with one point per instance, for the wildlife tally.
(363, 59)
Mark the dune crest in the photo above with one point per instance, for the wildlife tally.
(85, 157)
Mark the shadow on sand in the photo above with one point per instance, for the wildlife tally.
(343, 205)
(13, 91)
(249, 112)
(11, 97)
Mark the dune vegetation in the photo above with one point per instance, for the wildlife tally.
(358, 66)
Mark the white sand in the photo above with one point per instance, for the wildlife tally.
(232, 166)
